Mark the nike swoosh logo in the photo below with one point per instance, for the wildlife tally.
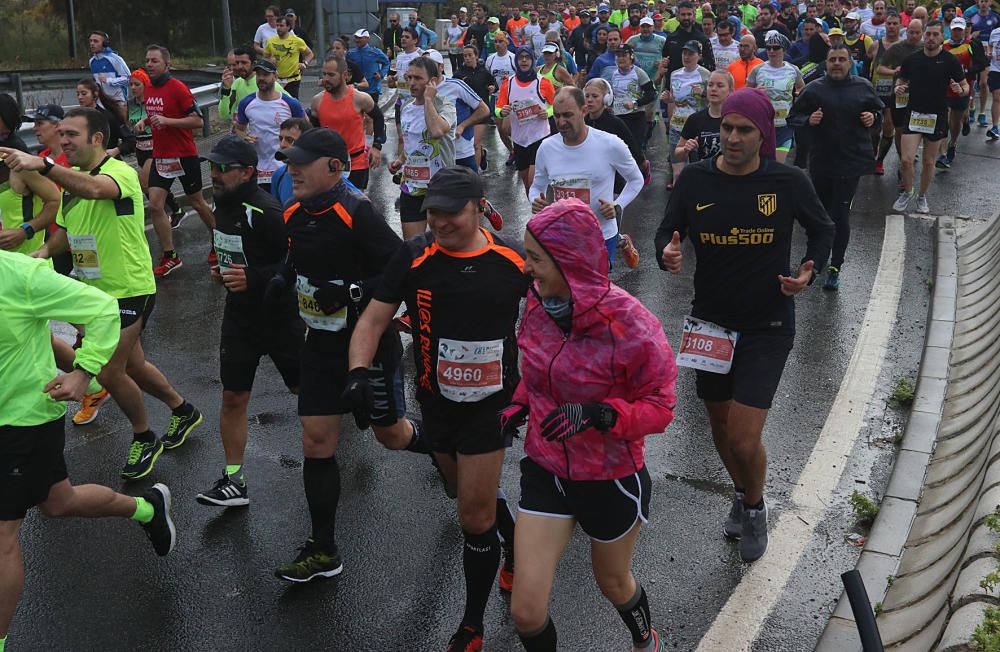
(701, 207)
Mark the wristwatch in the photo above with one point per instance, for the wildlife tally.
(29, 231)
(49, 164)
(377, 146)
(78, 367)
(355, 292)
(607, 418)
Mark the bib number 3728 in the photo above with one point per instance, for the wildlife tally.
(706, 346)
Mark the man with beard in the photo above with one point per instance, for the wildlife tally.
(766, 24)
(342, 108)
(686, 31)
(875, 26)
(635, 13)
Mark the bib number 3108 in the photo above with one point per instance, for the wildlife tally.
(706, 346)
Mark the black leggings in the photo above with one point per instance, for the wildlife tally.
(837, 194)
(456, 63)
(636, 123)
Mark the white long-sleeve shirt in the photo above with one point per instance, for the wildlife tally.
(587, 172)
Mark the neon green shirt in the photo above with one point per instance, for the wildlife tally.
(240, 89)
(107, 236)
(12, 214)
(31, 294)
(285, 52)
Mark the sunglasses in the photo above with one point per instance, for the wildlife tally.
(225, 167)
(773, 47)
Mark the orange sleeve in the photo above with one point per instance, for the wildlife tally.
(548, 90)
(503, 98)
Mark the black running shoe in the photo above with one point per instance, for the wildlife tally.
(141, 457)
(160, 530)
(311, 562)
(180, 428)
(484, 164)
(466, 639)
(225, 493)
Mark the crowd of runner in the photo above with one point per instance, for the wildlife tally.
(507, 336)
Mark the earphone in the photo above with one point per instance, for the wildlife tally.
(609, 97)
(107, 38)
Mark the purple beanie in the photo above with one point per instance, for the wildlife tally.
(754, 105)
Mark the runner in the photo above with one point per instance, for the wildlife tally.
(994, 85)
(238, 81)
(428, 134)
(633, 91)
(876, 27)
(699, 138)
(598, 98)
(606, 59)
(290, 55)
(502, 64)
(251, 243)
(924, 78)
(982, 21)
(882, 77)
(373, 62)
(397, 75)
(470, 110)
(338, 248)
(90, 95)
(725, 49)
(840, 110)
(32, 418)
(102, 225)
(685, 96)
(527, 98)
(648, 49)
(342, 108)
(890, 64)
(172, 114)
(580, 162)
(259, 116)
(466, 330)
(480, 79)
(584, 451)
(281, 182)
(686, 32)
(742, 67)
(739, 211)
(551, 69)
(970, 54)
(782, 82)
(267, 30)
(108, 68)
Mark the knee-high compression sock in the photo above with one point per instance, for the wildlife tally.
(505, 523)
(321, 478)
(480, 558)
(542, 640)
(635, 614)
(884, 145)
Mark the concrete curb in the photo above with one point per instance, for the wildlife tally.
(930, 535)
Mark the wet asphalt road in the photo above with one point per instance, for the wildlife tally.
(96, 585)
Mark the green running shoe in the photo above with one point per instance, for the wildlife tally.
(180, 428)
(141, 457)
(312, 562)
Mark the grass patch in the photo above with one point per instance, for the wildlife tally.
(902, 394)
(865, 509)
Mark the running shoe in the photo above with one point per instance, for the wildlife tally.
(213, 259)
(629, 251)
(167, 265)
(922, 206)
(466, 639)
(993, 133)
(484, 164)
(753, 538)
(160, 530)
(510, 160)
(942, 163)
(141, 457)
(311, 562)
(966, 128)
(902, 201)
(225, 493)
(89, 406)
(879, 168)
(950, 155)
(494, 217)
(506, 578)
(657, 646)
(177, 218)
(180, 428)
(982, 121)
(972, 117)
(734, 521)
(832, 281)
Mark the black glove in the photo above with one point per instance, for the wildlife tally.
(571, 418)
(359, 396)
(511, 417)
(330, 297)
(274, 289)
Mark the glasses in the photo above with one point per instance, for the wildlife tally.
(225, 167)
(771, 48)
(393, 22)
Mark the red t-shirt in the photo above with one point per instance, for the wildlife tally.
(172, 99)
(628, 32)
(59, 160)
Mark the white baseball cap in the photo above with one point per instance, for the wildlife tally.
(463, 9)
(362, 33)
(957, 23)
(434, 56)
(852, 15)
(645, 20)
(550, 48)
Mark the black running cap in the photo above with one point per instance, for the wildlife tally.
(52, 112)
(452, 188)
(266, 66)
(232, 150)
(314, 144)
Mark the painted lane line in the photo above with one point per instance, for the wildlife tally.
(738, 624)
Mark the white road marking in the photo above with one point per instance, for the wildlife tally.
(738, 624)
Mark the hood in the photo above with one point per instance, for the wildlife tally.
(570, 234)
(524, 76)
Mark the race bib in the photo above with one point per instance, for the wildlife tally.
(576, 187)
(780, 115)
(525, 110)
(264, 176)
(922, 123)
(902, 100)
(469, 371)
(229, 249)
(706, 346)
(169, 168)
(144, 145)
(677, 120)
(618, 107)
(312, 314)
(417, 171)
(883, 87)
(86, 262)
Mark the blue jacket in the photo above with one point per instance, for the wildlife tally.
(371, 60)
(428, 37)
(281, 185)
(107, 62)
(600, 63)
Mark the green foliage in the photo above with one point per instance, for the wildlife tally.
(879, 607)
(986, 637)
(902, 394)
(865, 509)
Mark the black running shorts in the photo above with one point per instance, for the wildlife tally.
(243, 343)
(940, 127)
(359, 178)
(466, 428)
(133, 309)
(607, 510)
(524, 157)
(31, 463)
(190, 180)
(323, 376)
(411, 208)
(757, 366)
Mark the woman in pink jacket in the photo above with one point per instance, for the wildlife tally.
(597, 376)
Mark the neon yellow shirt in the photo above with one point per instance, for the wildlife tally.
(107, 236)
(12, 214)
(31, 294)
(285, 52)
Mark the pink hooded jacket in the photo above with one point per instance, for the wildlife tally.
(615, 353)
